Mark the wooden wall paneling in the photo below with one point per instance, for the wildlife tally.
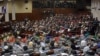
(37, 13)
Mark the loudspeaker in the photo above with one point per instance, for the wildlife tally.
(26, 1)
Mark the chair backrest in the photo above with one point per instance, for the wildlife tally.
(88, 55)
(25, 54)
(56, 51)
(43, 54)
(0, 50)
(36, 54)
(50, 52)
(7, 54)
(19, 54)
(98, 50)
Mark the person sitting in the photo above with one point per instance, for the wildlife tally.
(86, 48)
(6, 48)
(52, 44)
(17, 48)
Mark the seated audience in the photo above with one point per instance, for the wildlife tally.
(69, 35)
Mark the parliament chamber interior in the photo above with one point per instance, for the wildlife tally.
(49, 27)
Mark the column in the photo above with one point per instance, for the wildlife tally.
(99, 10)
(7, 12)
(13, 10)
(94, 9)
(92, 6)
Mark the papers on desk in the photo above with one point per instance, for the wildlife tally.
(64, 54)
(13, 55)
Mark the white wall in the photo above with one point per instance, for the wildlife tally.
(20, 6)
(95, 6)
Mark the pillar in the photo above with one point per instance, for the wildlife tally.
(13, 10)
(7, 12)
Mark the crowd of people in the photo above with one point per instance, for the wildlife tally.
(71, 35)
(53, 4)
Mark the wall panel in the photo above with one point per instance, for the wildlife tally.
(38, 13)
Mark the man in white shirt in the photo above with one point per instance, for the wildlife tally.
(42, 44)
(17, 48)
(86, 48)
(83, 43)
(42, 48)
